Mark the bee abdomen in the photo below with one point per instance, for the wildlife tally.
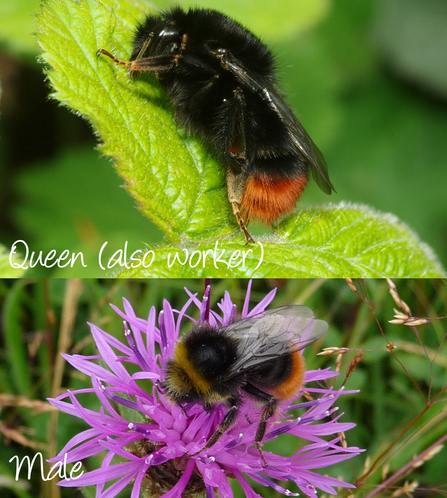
(282, 377)
(267, 198)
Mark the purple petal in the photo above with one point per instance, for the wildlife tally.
(101, 475)
(262, 305)
(247, 300)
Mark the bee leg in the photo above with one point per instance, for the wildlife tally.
(227, 422)
(236, 149)
(143, 48)
(155, 63)
(268, 411)
(242, 226)
(235, 186)
(114, 59)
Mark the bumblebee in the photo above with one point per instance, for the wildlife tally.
(259, 355)
(221, 81)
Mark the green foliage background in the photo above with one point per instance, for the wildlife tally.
(378, 114)
(41, 319)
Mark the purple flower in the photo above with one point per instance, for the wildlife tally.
(153, 444)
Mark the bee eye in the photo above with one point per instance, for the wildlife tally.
(162, 36)
(169, 32)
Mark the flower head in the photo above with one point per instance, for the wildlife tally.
(157, 445)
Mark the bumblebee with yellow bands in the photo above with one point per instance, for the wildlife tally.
(259, 355)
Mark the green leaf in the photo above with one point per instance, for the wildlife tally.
(10, 264)
(333, 241)
(174, 180)
(177, 182)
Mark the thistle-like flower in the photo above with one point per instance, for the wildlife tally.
(155, 446)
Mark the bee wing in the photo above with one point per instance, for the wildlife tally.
(303, 143)
(272, 334)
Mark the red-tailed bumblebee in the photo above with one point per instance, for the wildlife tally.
(221, 80)
(259, 355)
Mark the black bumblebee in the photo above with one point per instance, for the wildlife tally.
(220, 78)
(259, 355)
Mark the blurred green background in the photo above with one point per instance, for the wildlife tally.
(368, 80)
(395, 422)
